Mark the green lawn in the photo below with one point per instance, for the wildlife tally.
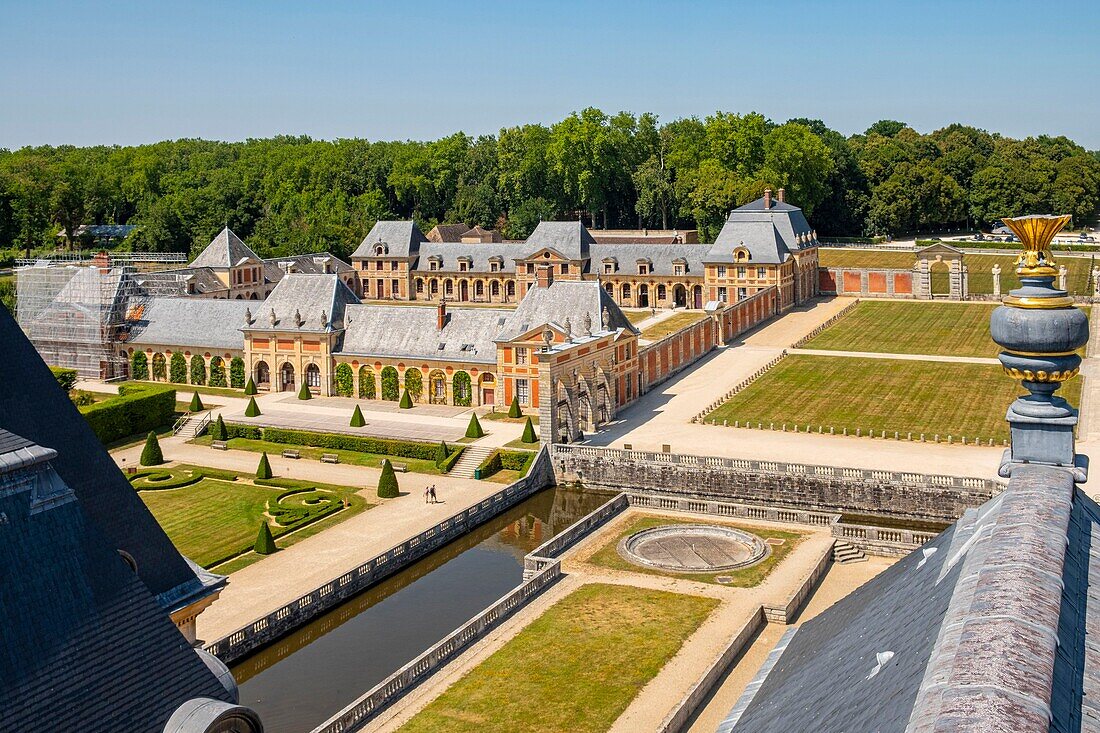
(218, 517)
(672, 324)
(608, 556)
(637, 316)
(911, 327)
(978, 266)
(575, 669)
(350, 457)
(188, 389)
(881, 394)
(503, 417)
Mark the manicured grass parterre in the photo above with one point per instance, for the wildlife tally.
(910, 327)
(637, 316)
(608, 556)
(980, 278)
(672, 324)
(211, 515)
(575, 669)
(503, 417)
(881, 394)
(202, 390)
(350, 457)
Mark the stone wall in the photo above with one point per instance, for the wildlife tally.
(798, 486)
(867, 282)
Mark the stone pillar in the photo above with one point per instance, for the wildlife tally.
(996, 281)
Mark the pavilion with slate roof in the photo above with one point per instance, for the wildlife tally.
(92, 589)
(992, 625)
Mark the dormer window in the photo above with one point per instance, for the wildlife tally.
(677, 269)
(495, 264)
(741, 255)
(610, 265)
(380, 249)
(679, 266)
(435, 263)
(645, 267)
(464, 264)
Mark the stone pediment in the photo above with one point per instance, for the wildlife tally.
(940, 250)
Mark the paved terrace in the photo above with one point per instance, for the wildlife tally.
(663, 416)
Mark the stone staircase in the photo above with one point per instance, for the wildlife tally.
(845, 552)
(191, 425)
(471, 459)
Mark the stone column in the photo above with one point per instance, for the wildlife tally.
(996, 281)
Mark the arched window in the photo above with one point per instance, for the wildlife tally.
(366, 383)
(448, 288)
(263, 373)
(437, 385)
(433, 287)
(419, 285)
(626, 291)
(510, 289)
(462, 391)
(494, 289)
(313, 376)
(661, 293)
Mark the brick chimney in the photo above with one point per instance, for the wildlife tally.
(767, 198)
(102, 261)
(779, 195)
(441, 315)
(545, 276)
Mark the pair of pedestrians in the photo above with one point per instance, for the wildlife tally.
(429, 495)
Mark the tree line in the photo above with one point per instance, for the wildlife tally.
(289, 195)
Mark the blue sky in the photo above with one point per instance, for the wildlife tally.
(133, 72)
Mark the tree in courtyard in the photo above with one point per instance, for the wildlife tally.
(441, 452)
(150, 454)
(217, 372)
(513, 408)
(250, 388)
(252, 410)
(343, 380)
(265, 543)
(218, 431)
(387, 482)
(236, 372)
(196, 403)
(529, 435)
(303, 393)
(264, 469)
(198, 370)
(473, 430)
(177, 369)
(357, 420)
(406, 401)
(139, 366)
(414, 384)
(391, 389)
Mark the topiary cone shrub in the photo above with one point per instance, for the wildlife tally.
(250, 388)
(265, 543)
(218, 431)
(473, 430)
(387, 482)
(253, 409)
(303, 393)
(196, 403)
(357, 420)
(513, 409)
(150, 454)
(264, 469)
(529, 435)
(406, 401)
(442, 452)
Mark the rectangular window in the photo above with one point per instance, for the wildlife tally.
(395, 288)
(523, 393)
(677, 269)
(761, 272)
(608, 268)
(721, 270)
(378, 265)
(740, 272)
(722, 294)
(565, 268)
(433, 265)
(741, 293)
(492, 267)
(643, 269)
(462, 267)
(393, 265)
(521, 355)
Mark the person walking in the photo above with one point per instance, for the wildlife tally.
(427, 493)
(434, 499)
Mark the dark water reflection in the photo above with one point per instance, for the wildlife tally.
(308, 676)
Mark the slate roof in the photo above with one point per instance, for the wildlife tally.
(41, 412)
(224, 251)
(199, 322)
(482, 235)
(309, 296)
(102, 231)
(320, 263)
(447, 232)
(570, 238)
(661, 256)
(565, 300)
(86, 647)
(401, 238)
(479, 255)
(770, 235)
(411, 332)
(986, 625)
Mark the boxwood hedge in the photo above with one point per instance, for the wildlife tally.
(137, 409)
(336, 441)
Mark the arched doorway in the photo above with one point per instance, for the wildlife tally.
(463, 290)
(253, 296)
(488, 384)
(939, 276)
(437, 387)
(160, 367)
(313, 377)
(679, 296)
(286, 377)
(263, 375)
(510, 291)
(643, 296)
(697, 296)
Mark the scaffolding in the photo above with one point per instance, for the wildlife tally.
(78, 316)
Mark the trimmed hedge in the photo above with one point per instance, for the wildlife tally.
(406, 401)
(357, 420)
(505, 459)
(303, 393)
(137, 409)
(236, 372)
(449, 463)
(251, 409)
(263, 470)
(529, 435)
(250, 388)
(474, 430)
(336, 441)
(513, 409)
(66, 378)
(218, 431)
(196, 403)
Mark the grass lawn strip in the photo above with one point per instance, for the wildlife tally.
(637, 316)
(906, 327)
(608, 556)
(672, 324)
(574, 669)
(350, 457)
(187, 389)
(216, 517)
(881, 394)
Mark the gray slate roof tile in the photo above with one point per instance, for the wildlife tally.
(225, 250)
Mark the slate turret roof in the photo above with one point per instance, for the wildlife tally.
(769, 234)
(569, 238)
(571, 300)
(398, 238)
(224, 251)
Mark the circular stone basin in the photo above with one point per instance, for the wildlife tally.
(693, 548)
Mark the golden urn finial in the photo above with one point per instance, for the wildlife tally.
(1036, 233)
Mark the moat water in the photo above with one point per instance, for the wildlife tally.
(305, 678)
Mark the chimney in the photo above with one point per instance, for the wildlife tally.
(545, 276)
(102, 261)
(767, 198)
(779, 195)
(441, 315)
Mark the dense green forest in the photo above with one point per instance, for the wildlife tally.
(293, 194)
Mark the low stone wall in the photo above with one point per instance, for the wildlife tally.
(868, 282)
(305, 608)
(881, 540)
(793, 486)
(783, 614)
(678, 718)
(543, 555)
